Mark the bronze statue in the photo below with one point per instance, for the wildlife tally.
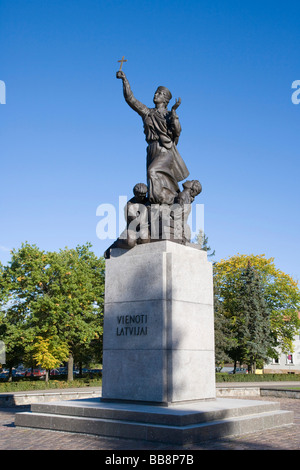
(158, 210)
(137, 221)
(191, 189)
(165, 167)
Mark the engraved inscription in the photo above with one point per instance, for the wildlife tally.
(135, 325)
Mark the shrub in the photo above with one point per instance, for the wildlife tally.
(31, 385)
(256, 377)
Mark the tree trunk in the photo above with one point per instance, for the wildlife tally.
(70, 368)
(252, 366)
(47, 375)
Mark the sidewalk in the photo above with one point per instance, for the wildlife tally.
(284, 438)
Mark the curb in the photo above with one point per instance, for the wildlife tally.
(45, 396)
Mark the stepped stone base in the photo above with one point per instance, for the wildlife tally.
(175, 424)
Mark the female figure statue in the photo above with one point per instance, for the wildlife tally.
(165, 167)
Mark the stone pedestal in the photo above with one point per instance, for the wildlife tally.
(158, 343)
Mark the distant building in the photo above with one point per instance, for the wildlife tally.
(286, 363)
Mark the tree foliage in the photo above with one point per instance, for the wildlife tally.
(279, 290)
(224, 338)
(202, 240)
(49, 353)
(251, 323)
(55, 297)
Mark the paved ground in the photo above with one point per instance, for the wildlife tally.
(12, 438)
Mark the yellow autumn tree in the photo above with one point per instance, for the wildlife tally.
(280, 290)
(49, 353)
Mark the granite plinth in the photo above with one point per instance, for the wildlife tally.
(158, 343)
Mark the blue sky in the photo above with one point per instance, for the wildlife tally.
(69, 142)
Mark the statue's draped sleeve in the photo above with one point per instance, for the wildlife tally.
(175, 128)
(136, 105)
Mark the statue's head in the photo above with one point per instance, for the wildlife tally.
(193, 186)
(140, 190)
(162, 95)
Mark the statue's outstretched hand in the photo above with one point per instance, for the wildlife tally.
(121, 74)
(176, 105)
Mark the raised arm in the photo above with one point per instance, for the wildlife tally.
(136, 105)
(175, 124)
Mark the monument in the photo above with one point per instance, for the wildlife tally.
(158, 344)
(158, 341)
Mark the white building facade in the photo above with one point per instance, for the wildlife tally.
(286, 363)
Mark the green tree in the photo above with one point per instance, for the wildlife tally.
(49, 353)
(280, 291)
(224, 339)
(79, 300)
(252, 323)
(54, 296)
(12, 334)
(13, 315)
(202, 240)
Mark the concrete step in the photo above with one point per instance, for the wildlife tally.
(178, 415)
(177, 424)
(36, 396)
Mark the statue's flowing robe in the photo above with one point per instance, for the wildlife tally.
(165, 167)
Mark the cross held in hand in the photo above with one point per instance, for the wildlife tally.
(122, 60)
